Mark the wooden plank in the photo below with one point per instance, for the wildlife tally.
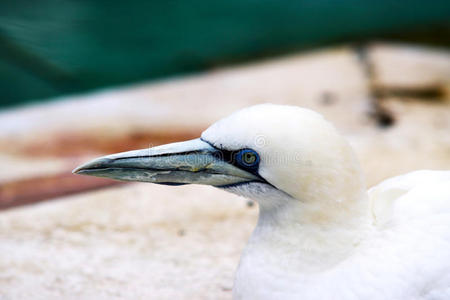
(410, 71)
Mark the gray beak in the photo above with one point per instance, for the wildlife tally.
(193, 161)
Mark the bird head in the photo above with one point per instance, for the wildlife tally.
(270, 153)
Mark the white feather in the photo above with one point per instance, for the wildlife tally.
(320, 235)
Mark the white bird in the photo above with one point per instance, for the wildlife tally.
(320, 234)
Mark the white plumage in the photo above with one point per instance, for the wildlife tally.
(325, 237)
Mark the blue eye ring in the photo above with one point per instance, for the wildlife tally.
(247, 158)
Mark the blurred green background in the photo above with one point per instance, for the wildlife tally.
(50, 48)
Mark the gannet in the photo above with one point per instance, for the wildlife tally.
(320, 234)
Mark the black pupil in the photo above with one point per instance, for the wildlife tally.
(249, 158)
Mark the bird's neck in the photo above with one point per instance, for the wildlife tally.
(304, 236)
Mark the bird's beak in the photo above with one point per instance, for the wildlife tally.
(193, 161)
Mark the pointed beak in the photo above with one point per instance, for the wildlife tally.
(193, 161)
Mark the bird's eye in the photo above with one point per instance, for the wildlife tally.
(247, 158)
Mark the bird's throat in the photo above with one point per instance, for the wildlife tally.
(305, 238)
